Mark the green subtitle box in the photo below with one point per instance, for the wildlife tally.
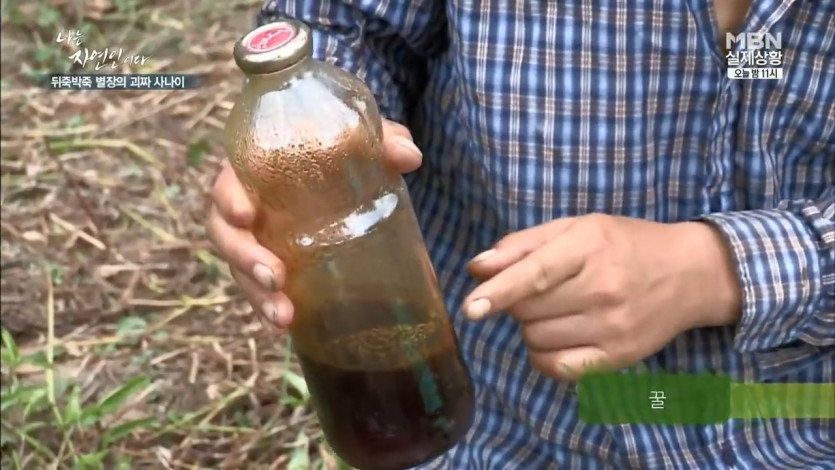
(654, 398)
(790, 400)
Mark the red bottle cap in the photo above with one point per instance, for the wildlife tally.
(273, 47)
(270, 37)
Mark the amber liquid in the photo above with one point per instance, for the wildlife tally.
(392, 419)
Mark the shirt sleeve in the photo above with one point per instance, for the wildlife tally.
(386, 43)
(785, 260)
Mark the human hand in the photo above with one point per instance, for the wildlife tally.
(258, 272)
(605, 290)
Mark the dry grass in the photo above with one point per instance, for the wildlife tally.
(126, 345)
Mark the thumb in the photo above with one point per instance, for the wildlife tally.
(399, 149)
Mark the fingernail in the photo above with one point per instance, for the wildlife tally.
(264, 275)
(269, 311)
(484, 255)
(407, 145)
(478, 308)
(283, 316)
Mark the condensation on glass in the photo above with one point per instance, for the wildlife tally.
(370, 330)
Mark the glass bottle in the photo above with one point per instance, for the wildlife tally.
(370, 329)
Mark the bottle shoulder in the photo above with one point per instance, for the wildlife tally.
(306, 139)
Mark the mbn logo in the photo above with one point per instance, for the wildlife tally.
(754, 41)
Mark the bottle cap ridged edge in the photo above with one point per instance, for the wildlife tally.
(273, 47)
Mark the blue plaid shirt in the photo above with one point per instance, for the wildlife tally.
(527, 111)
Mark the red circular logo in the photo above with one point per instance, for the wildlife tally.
(271, 38)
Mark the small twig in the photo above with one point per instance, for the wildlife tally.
(224, 402)
(169, 355)
(50, 342)
(181, 302)
(178, 98)
(125, 298)
(253, 359)
(25, 437)
(194, 368)
(41, 133)
(95, 242)
(207, 109)
(227, 358)
(108, 143)
(203, 255)
(171, 317)
(116, 339)
(65, 443)
(91, 216)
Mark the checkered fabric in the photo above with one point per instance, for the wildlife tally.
(528, 111)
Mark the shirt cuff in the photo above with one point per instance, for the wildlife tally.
(780, 268)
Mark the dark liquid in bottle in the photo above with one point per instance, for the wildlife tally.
(392, 419)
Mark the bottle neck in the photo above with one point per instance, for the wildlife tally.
(286, 71)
